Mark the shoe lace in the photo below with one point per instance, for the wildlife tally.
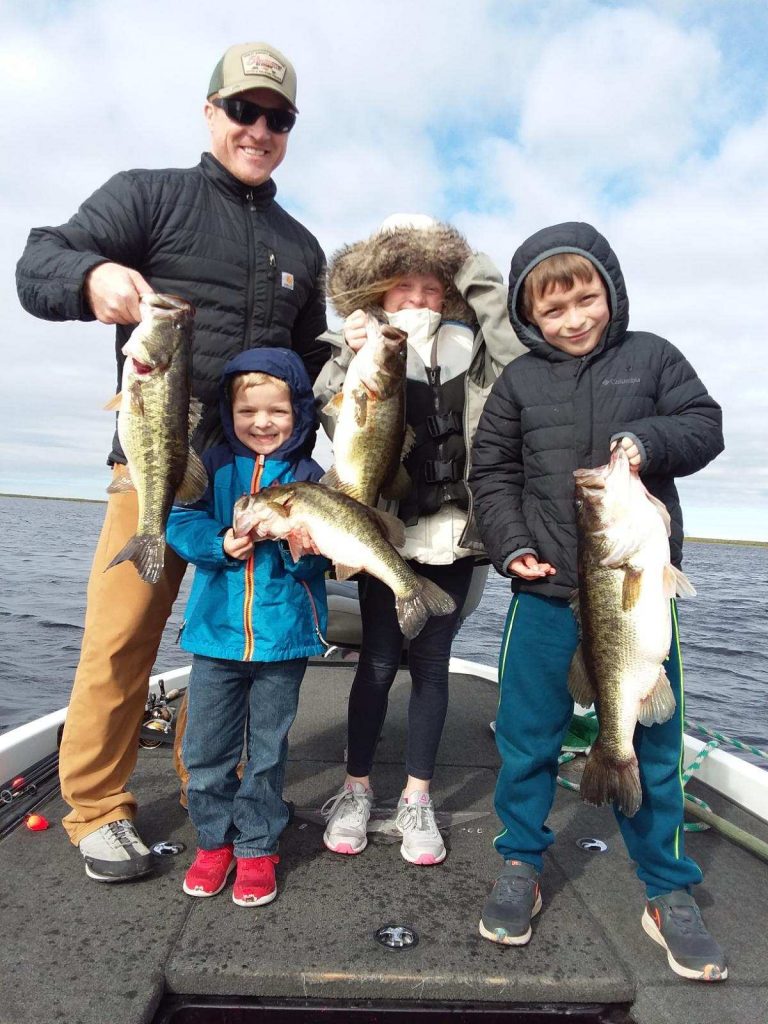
(355, 805)
(213, 857)
(416, 817)
(122, 833)
(513, 889)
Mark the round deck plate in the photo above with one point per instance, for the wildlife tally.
(591, 845)
(396, 937)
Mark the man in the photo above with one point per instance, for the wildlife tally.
(214, 235)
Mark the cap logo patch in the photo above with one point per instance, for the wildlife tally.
(287, 281)
(259, 62)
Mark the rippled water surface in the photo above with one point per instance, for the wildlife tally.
(45, 552)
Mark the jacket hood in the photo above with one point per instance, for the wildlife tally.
(288, 366)
(355, 271)
(578, 238)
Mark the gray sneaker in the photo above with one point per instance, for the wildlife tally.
(347, 813)
(674, 921)
(514, 900)
(415, 821)
(115, 853)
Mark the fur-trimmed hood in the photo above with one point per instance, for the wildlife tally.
(356, 271)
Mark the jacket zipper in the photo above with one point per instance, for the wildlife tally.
(271, 277)
(248, 592)
(251, 298)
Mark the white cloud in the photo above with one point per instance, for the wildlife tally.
(500, 117)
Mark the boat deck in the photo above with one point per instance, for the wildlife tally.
(78, 951)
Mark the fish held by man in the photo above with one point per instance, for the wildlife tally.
(353, 536)
(154, 422)
(626, 582)
(370, 432)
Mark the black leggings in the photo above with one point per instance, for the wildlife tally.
(428, 655)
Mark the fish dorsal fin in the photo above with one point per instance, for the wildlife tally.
(658, 705)
(580, 685)
(331, 479)
(399, 486)
(676, 583)
(195, 414)
(121, 483)
(195, 481)
(409, 440)
(631, 587)
(333, 407)
(114, 403)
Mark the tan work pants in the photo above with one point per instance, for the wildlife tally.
(124, 622)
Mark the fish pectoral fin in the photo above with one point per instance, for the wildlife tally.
(344, 572)
(659, 704)
(121, 483)
(392, 528)
(361, 406)
(580, 685)
(333, 407)
(195, 481)
(622, 550)
(114, 403)
(399, 487)
(676, 583)
(631, 587)
(295, 546)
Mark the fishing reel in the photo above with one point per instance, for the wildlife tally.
(157, 728)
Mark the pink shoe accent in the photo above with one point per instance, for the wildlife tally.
(344, 848)
(426, 858)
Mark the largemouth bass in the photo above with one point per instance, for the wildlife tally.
(354, 537)
(153, 426)
(626, 582)
(370, 430)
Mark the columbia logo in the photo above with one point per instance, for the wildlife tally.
(620, 380)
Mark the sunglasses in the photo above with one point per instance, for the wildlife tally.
(246, 113)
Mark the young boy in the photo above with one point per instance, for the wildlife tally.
(587, 384)
(253, 618)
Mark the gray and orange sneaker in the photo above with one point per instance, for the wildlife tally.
(514, 900)
(674, 921)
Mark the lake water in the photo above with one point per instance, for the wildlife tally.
(45, 552)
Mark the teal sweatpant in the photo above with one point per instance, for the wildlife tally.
(534, 712)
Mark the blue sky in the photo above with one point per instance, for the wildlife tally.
(648, 119)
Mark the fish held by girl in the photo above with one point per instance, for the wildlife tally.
(626, 582)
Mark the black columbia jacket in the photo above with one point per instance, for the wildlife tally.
(254, 274)
(550, 413)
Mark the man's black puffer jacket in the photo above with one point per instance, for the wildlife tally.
(550, 413)
(254, 274)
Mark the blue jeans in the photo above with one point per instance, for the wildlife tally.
(223, 696)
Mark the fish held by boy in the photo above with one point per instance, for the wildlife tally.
(626, 581)
(356, 538)
(154, 423)
(370, 433)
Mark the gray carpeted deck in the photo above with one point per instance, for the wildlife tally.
(77, 951)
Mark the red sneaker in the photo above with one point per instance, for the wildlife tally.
(209, 872)
(255, 881)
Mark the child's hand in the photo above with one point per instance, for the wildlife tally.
(528, 568)
(237, 547)
(631, 449)
(355, 333)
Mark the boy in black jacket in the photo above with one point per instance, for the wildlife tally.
(586, 385)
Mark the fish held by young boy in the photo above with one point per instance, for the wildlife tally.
(626, 582)
(370, 433)
(154, 422)
(354, 537)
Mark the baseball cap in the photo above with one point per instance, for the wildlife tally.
(254, 66)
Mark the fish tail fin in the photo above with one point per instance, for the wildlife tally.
(606, 780)
(414, 610)
(147, 552)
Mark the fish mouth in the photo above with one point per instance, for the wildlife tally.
(163, 306)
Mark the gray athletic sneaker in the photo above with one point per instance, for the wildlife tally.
(347, 813)
(415, 821)
(514, 900)
(115, 853)
(674, 921)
